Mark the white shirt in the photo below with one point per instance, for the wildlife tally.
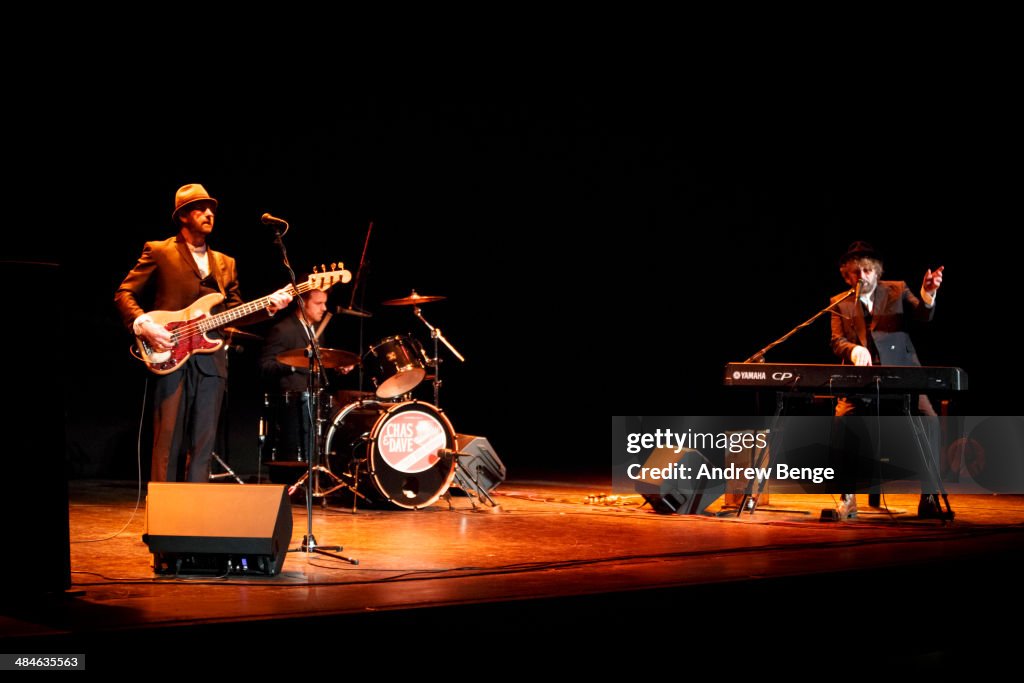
(202, 259)
(869, 299)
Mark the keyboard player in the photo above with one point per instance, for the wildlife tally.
(871, 328)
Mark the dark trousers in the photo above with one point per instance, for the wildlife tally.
(186, 411)
(855, 441)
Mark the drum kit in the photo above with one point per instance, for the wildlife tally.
(383, 447)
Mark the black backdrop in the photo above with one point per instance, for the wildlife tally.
(600, 255)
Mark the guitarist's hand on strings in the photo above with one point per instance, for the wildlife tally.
(279, 300)
(157, 336)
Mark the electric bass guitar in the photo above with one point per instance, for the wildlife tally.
(188, 327)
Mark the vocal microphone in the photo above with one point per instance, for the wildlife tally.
(272, 220)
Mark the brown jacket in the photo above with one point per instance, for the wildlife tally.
(166, 278)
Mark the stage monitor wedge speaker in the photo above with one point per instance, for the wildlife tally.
(217, 529)
(670, 491)
(479, 463)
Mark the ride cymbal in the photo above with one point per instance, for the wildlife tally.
(413, 299)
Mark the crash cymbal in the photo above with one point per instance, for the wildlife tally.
(235, 332)
(413, 299)
(354, 311)
(333, 358)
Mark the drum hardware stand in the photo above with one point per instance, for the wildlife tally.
(227, 473)
(435, 334)
(313, 474)
(319, 469)
(261, 440)
(354, 487)
(355, 484)
(309, 544)
(223, 422)
(362, 307)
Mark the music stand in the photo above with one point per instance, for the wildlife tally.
(309, 544)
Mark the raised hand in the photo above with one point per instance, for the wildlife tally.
(932, 280)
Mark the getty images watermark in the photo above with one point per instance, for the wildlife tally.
(822, 454)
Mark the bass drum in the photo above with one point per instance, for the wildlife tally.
(390, 451)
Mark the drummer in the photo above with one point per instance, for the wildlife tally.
(288, 334)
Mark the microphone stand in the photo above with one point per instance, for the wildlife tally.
(309, 544)
(435, 333)
(749, 500)
(759, 356)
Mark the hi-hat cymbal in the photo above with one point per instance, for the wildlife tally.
(413, 299)
(235, 332)
(333, 358)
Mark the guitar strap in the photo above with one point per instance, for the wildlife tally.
(216, 271)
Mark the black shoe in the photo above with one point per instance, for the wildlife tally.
(929, 508)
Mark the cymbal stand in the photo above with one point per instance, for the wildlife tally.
(435, 334)
(362, 303)
(227, 473)
(319, 469)
(309, 544)
(223, 426)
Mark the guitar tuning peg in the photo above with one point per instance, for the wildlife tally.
(323, 268)
(314, 270)
(334, 266)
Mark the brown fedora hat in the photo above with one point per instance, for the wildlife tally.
(189, 194)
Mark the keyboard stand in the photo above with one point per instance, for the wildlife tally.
(930, 477)
(925, 452)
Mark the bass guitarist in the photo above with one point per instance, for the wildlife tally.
(171, 274)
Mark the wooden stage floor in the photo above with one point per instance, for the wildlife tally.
(557, 560)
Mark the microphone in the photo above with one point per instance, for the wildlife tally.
(272, 220)
(448, 454)
(856, 292)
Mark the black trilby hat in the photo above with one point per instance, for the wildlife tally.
(859, 250)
